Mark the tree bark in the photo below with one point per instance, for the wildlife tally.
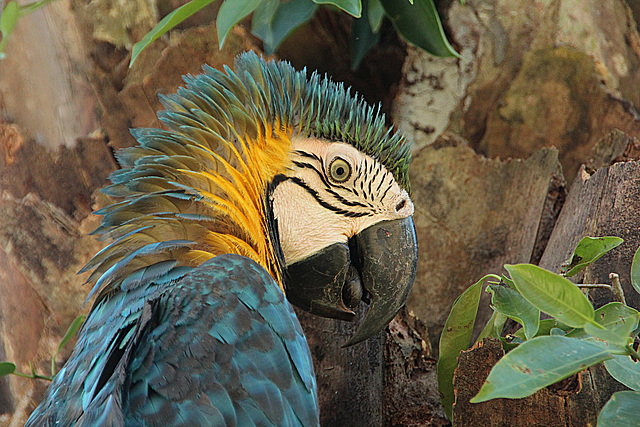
(574, 401)
(533, 74)
(604, 203)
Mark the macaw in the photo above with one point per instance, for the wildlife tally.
(266, 185)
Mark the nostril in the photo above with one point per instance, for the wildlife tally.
(400, 205)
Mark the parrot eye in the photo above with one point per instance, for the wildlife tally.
(339, 170)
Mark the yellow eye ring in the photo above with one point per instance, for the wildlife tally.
(339, 170)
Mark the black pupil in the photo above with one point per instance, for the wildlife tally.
(340, 171)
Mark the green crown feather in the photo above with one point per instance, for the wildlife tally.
(266, 93)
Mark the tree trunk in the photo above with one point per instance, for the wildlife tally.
(574, 401)
(533, 74)
(602, 204)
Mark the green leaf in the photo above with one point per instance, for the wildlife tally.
(621, 410)
(538, 363)
(71, 331)
(419, 24)
(589, 250)
(7, 368)
(166, 24)
(362, 38)
(504, 279)
(547, 325)
(262, 21)
(625, 370)
(352, 7)
(31, 7)
(494, 326)
(230, 13)
(375, 13)
(618, 320)
(553, 294)
(578, 333)
(513, 305)
(456, 337)
(274, 21)
(635, 271)
(610, 347)
(8, 20)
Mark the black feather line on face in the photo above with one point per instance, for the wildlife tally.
(370, 174)
(273, 222)
(385, 191)
(348, 202)
(309, 155)
(381, 179)
(329, 185)
(319, 172)
(324, 203)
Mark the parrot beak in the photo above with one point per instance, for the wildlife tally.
(378, 266)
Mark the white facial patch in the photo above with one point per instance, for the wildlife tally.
(333, 192)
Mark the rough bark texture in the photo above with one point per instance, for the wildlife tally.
(471, 218)
(410, 398)
(386, 380)
(44, 87)
(575, 401)
(533, 74)
(606, 203)
(603, 204)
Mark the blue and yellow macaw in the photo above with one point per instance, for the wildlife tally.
(268, 183)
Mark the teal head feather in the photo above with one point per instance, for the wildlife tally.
(264, 93)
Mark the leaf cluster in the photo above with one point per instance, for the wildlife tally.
(544, 351)
(273, 20)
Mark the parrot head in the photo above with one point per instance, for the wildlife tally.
(290, 170)
(346, 232)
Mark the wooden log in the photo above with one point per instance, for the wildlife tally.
(473, 215)
(410, 391)
(575, 401)
(44, 87)
(606, 202)
(387, 380)
(43, 244)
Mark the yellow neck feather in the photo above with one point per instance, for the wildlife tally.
(206, 190)
(238, 195)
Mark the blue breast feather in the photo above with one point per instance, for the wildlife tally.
(219, 346)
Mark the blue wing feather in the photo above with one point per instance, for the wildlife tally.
(220, 346)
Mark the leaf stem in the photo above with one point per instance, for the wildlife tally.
(617, 291)
(594, 286)
(33, 376)
(632, 352)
